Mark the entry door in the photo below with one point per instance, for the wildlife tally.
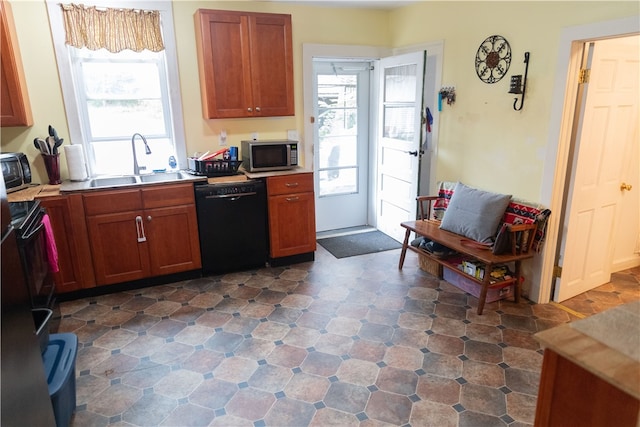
(399, 141)
(605, 138)
(341, 150)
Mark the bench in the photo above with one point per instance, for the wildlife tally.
(525, 222)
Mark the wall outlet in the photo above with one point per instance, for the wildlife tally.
(254, 136)
(222, 140)
(292, 135)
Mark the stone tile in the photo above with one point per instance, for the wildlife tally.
(417, 339)
(319, 363)
(149, 410)
(334, 344)
(428, 413)
(270, 331)
(187, 313)
(521, 407)
(143, 346)
(521, 323)
(451, 327)
(484, 333)
(290, 412)
(482, 351)
(89, 386)
(445, 344)
(521, 358)
(162, 308)
(330, 417)
(203, 361)
(522, 381)
(189, 415)
(146, 374)
(520, 339)
(141, 323)
(438, 389)
(254, 348)
(368, 350)
(415, 321)
(345, 397)
(166, 328)
(224, 342)
(476, 419)
(486, 400)
(389, 408)
(250, 403)
(115, 366)
(205, 300)
(114, 400)
(442, 365)
(358, 372)
(343, 326)
(194, 335)
(408, 358)
(213, 393)
(270, 378)
(178, 384)
(375, 332)
(481, 373)
(172, 353)
(399, 381)
(307, 387)
(302, 337)
(235, 369)
(287, 356)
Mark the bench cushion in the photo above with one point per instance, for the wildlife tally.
(474, 213)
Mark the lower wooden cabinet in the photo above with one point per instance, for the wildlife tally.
(292, 220)
(141, 233)
(66, 214)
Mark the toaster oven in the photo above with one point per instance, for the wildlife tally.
(16, 171)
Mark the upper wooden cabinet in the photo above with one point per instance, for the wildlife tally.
(245, 62)
(14, 104)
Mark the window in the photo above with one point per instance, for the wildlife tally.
(111, 96)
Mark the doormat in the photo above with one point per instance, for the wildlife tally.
(359, 244)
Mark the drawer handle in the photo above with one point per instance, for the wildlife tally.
(292, 184)
(293, 199)
(140, 230)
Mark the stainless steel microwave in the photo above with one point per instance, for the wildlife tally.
(269, 155)
(16, 171)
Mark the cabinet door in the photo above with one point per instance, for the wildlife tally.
(173, 239)
(292, 224)
(271, 64)
(69, 230)
(118, 255)
(14, 104)
(222, 40)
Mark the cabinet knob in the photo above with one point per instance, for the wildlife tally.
(249, 109)
(258, 109)
(149, 218)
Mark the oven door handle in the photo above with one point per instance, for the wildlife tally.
(33, 232)
(140, 230)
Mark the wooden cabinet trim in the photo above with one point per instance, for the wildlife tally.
(106, 202)
(15, 105)
(164, 196)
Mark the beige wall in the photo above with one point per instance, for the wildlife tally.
(483, 141)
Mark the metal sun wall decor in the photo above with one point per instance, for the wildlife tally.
(493, 59)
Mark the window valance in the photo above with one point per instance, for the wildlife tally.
(112, 29)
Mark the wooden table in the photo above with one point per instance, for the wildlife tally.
(431, 230)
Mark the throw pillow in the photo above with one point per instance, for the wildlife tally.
(474, 213)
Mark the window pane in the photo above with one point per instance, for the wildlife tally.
(400, 83)
(398, 122)
(121, 80)
(114, 157)
(113, 118)
(338, 181)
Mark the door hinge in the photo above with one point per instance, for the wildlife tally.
(557, 271)
(583, 77)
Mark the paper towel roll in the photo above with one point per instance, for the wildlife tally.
(75, 162)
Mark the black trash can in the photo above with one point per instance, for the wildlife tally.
(60, 368)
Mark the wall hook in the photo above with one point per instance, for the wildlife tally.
(518, 85)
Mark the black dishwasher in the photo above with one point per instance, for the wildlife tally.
(232, 223)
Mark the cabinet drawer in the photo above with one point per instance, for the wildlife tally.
(288, 184)
(104, 202)
(168, 195)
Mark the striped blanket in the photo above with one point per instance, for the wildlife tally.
(518, 212)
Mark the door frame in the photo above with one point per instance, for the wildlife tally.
(435, 53)
(557, 157)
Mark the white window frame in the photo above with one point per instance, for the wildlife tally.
(76, 132)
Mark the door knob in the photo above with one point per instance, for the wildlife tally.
(413, 153)
(624, 186)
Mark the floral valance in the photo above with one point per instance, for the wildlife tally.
(112, 29)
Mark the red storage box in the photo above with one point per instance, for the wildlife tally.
(466, 284)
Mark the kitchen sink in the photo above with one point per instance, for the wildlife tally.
(113, 181)
(161, 177)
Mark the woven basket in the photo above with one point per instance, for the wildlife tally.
(430, 266)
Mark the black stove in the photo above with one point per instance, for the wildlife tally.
(25, 215)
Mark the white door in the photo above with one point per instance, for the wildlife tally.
(341, 148)
(399, 141)
(604, 139)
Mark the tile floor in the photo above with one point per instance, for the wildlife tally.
(342, 342)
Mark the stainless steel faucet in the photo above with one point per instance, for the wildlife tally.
(147, 150)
